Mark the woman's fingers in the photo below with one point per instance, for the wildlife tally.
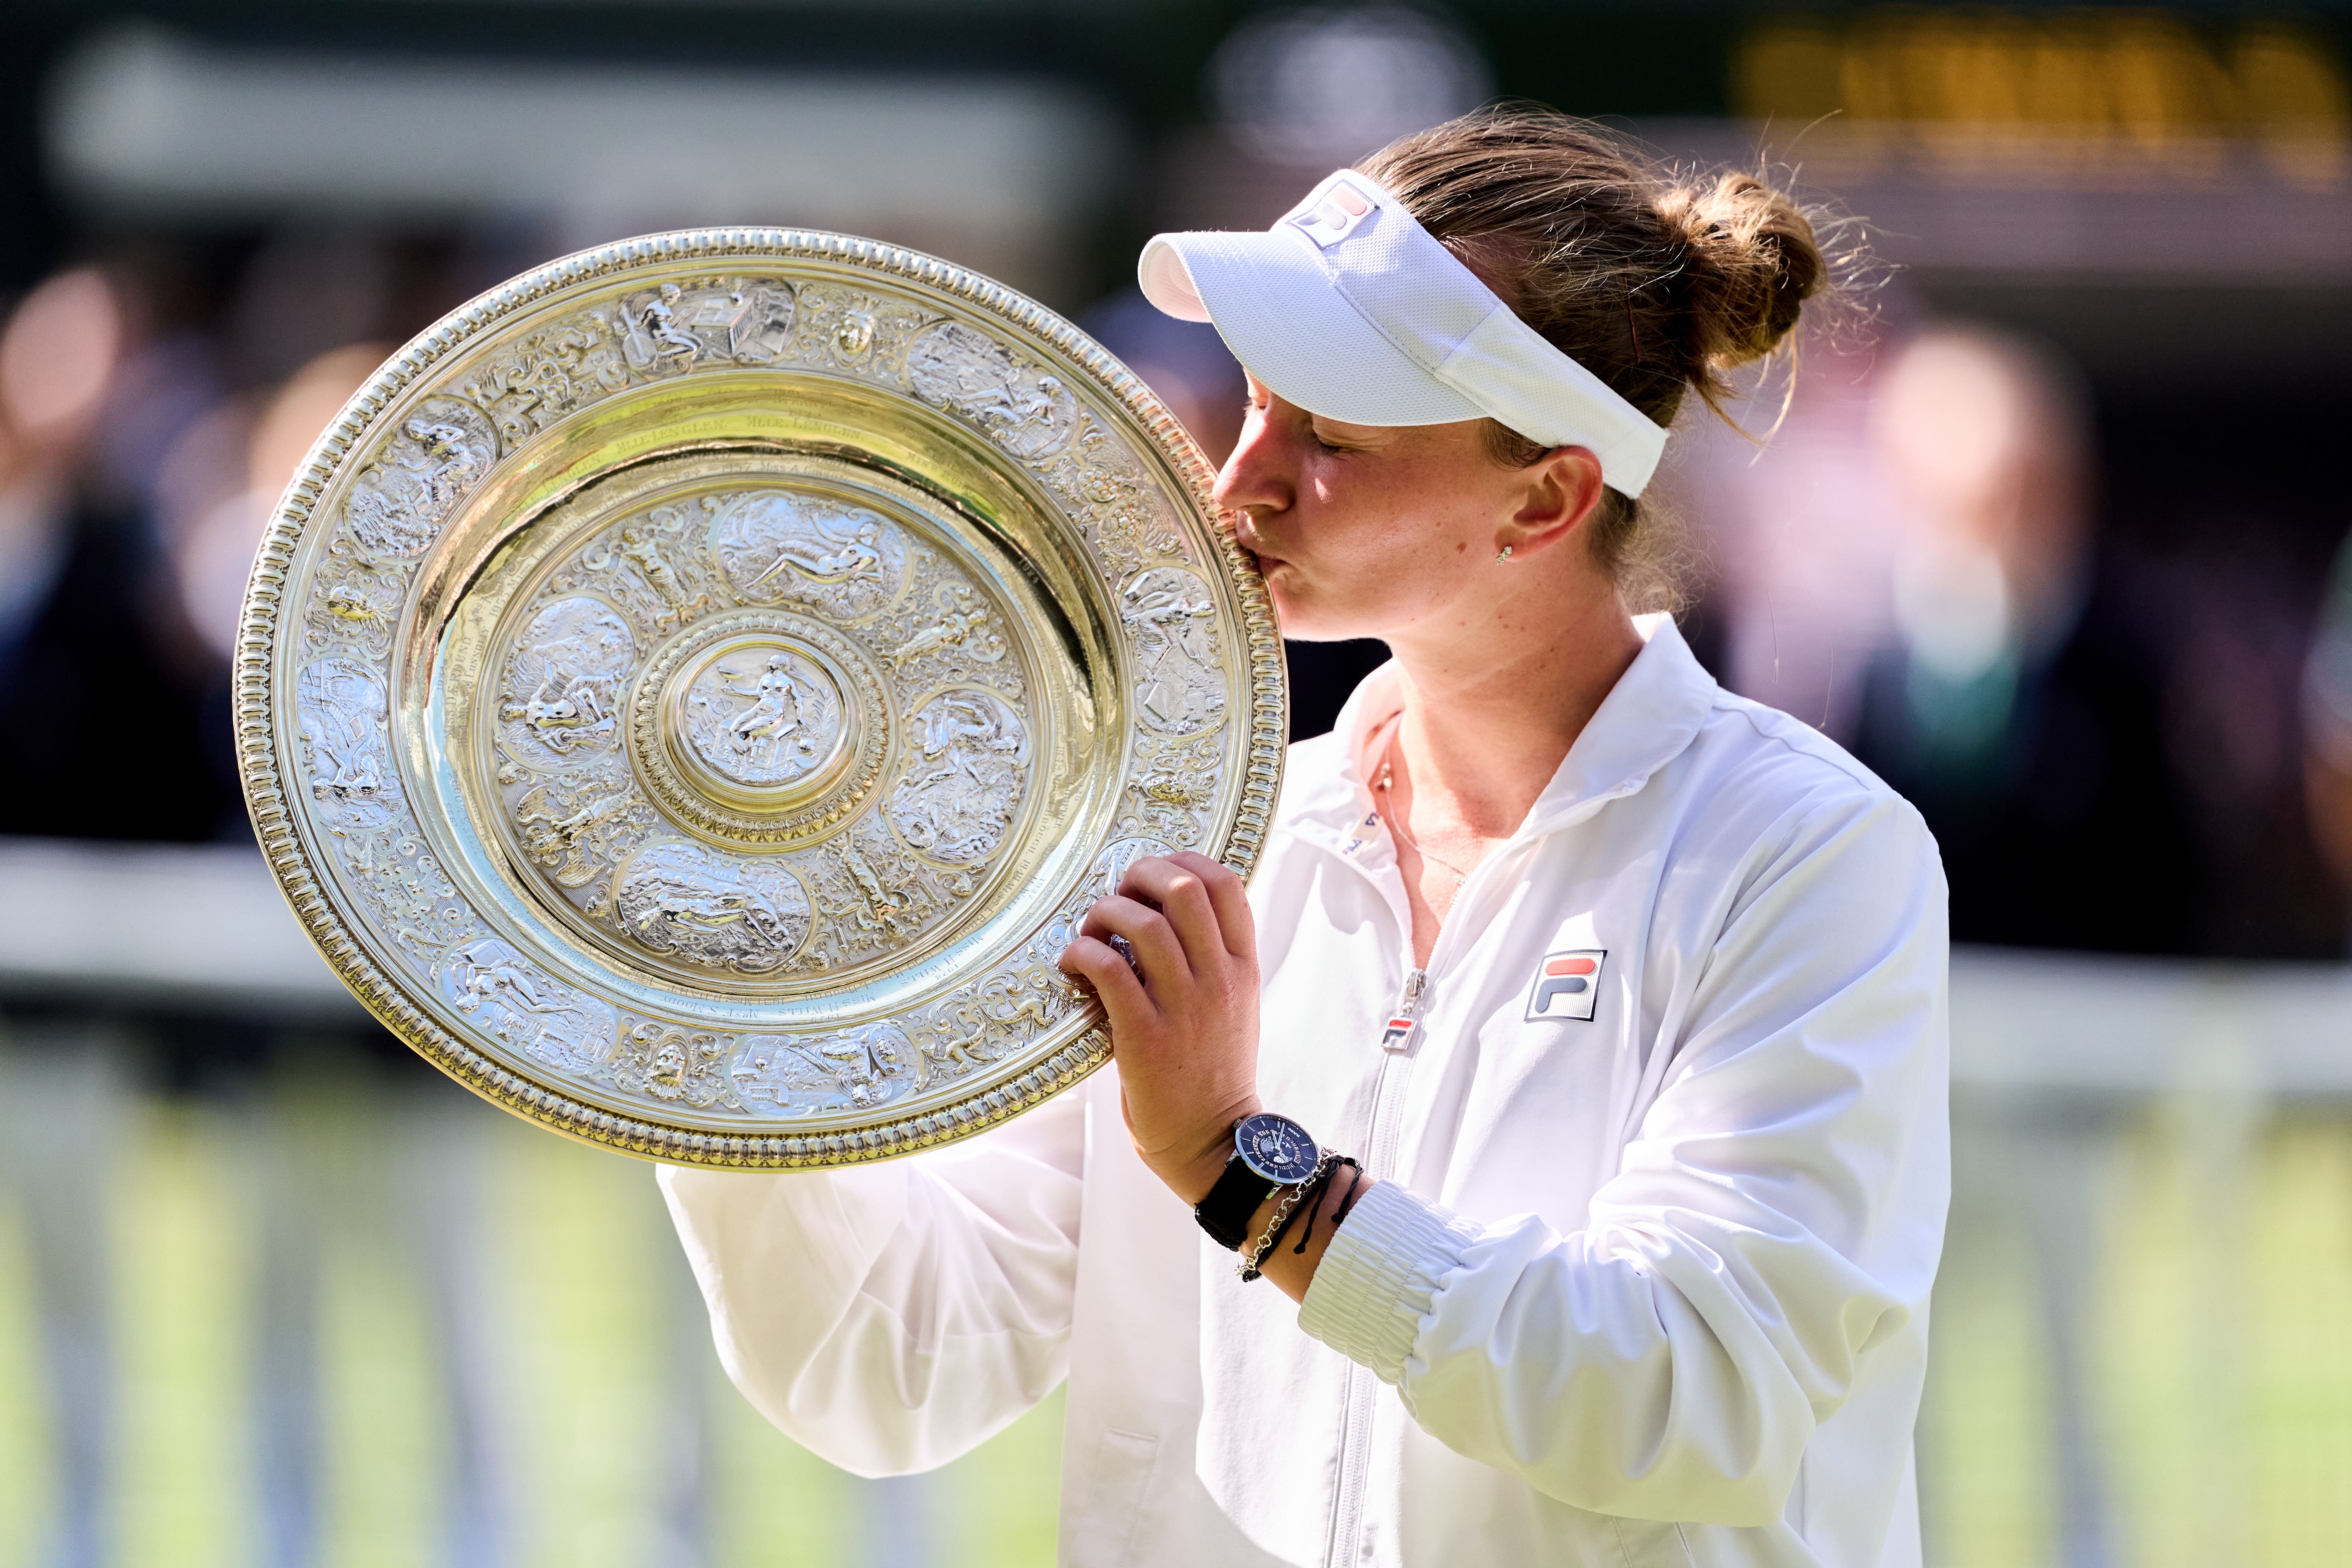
(1185, 902)
(1229, 896)
(1115, 981)
(1157, 952)
(1186, 1031)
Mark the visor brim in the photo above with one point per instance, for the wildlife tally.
(1270, 298)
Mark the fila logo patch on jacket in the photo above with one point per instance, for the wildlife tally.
(1567, 985)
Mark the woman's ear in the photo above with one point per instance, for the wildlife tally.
(1557, 492)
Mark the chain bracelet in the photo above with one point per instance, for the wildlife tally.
(1249, 1269)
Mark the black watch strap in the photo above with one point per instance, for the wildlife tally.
(1225, 1214)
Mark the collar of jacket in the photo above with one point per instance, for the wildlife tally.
(1648, 719)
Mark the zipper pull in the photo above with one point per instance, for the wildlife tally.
(1404, 1027)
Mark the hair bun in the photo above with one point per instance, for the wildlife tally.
(1752, 262)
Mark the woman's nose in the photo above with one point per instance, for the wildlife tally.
(1255, 476)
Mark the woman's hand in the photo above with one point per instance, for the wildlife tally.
(1184, 1028)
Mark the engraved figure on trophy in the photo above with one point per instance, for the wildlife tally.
(1002, 1014)
(1174, 780)
(666, 1063)
(399, 502)
(776, 545)
(960, 624)
(1180, 681)
(1026, 411)
(549, 375)
(1112, 502)
(775, 711)
(639, 548)
(783, 1072)
(959, 791)
(342, 712)
(872, 894)
(645, 569)
(760, 330)
(886, 902)
(354, 602)
(560, 701)
(520, 1005)
(858, 1068)
(653, 339)
(865, 1060)
(855, 331)
(744, 917)
(678, 326)
(568, 840)
(765, 725)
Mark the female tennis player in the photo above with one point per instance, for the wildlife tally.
(1573, 1072)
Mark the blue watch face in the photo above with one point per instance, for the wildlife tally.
(1276, 1148)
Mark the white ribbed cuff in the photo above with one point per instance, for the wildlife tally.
(1379, 1277)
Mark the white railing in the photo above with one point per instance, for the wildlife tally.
(2058, 1060)
(204, 928)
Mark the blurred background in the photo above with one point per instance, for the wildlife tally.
(2049, 535)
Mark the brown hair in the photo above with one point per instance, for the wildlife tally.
(1655, 281)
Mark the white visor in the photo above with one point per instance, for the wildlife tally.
(1352, 309)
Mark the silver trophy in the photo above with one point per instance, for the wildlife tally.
(693, 691)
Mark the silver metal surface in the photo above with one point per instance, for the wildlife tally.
(692, 692)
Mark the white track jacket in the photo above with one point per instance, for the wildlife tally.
(1646, 1280)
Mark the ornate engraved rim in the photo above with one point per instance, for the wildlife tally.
(304, 882)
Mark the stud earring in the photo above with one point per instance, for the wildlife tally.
(1504, 554)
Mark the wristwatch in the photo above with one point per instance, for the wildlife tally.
(1269, 1151)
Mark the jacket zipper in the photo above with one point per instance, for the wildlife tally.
(1379, 1160)
(1388, 1121)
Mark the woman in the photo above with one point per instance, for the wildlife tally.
(1626, 994)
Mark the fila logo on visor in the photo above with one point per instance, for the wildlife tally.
(1335, 217)
(1568, 984)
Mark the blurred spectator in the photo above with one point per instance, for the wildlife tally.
(2228, 587)
(2016, 704)
(1795, 514)
(97, 692)
(43, 416)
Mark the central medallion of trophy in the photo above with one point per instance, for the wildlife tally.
(756, 723)
(762, 716)
(762, 728)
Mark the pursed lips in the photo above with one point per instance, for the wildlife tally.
(1246, 535)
